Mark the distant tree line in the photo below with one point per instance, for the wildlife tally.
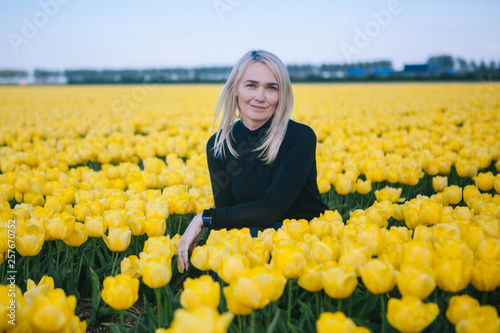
(442, 67)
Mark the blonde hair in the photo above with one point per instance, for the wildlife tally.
(228, 103)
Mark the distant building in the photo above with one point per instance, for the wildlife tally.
(420, 69)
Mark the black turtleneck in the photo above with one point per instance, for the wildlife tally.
(250, 193)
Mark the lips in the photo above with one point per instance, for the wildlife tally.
(257, 107)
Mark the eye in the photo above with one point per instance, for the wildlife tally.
(272, 88)
(250, 85)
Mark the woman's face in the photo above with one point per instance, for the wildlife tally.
(258, 95)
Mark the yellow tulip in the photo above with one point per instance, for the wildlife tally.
(79, 235)
(388, 193)
(156, 209)
(163, 245)
(60, 226)
(233, 302)
(355, 257)
(371, 236)
(30, 242)
(130, 266)
(254, 289)
(202, 319)
(452, 195)
(343, 185)
(231, 266)
(410, 314)
(95, 225)
(22, 184)
(56, 202)
(121, 291)
(393, 253)
(310, 277)
(320, 252)
(459, 308)
(496, 185)
(363, 187)
(288, 260)
(378, 276)
(486, 274)
(419, 253)
(453, 275)
(339, 281)
(45, 285)
(82, 211)
(200, 258)
(296, 228)
(259, 254)
(155, 269)
(415, 281)
(430, 212)
(439, 183)
(337, 322)
(479, 319)
(398, 212)
(155, 226)
(485, 181)
(454, 249)
(118, 239)
(183, 204)
(200, 292)
(53, 311)
(489, 248)
(114, 218)
(469, 192)
(136, 221)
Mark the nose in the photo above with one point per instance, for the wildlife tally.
(259, 95)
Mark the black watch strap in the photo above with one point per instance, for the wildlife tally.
(207, 217)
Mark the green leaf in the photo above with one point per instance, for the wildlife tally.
(96, 295)
(114, 327)
(274, 323)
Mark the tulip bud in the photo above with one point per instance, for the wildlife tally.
(410, 314)
(120, 292)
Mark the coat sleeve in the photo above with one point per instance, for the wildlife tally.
(220, 178)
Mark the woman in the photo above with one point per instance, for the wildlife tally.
(262, 167)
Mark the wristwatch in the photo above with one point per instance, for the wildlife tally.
(207, 218)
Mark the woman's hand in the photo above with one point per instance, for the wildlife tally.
(189, 241)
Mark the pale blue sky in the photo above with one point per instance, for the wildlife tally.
(119, 34)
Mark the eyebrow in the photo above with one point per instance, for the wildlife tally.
(269, 83)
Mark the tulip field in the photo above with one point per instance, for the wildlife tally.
(98, 183)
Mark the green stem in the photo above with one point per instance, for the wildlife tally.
(179, 226)
(252, 322)
(160, 322)
(268, 315)
(317, 304)
(382, 304)
(289, 313)
(240, 325)
(484, 298)
(58, 252)
(168, 303)
(71, 262)
(26, 269)
(349, 304)
(339, 304)
(122, 321)
(114, 262)
(93, 252)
